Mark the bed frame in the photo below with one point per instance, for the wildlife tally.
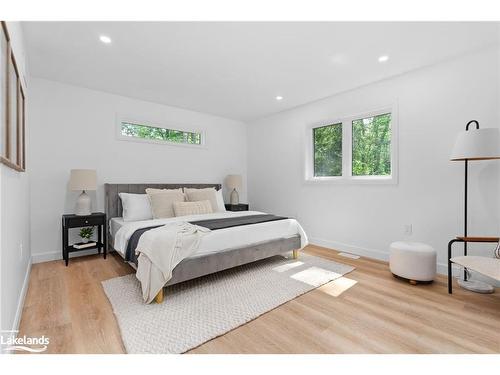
(191, 268)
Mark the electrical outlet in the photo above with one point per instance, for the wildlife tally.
(408, 229)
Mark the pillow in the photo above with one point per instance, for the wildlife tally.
(154, 191)
(208, 194)
(136, 207)
(192, 208)
(220, 201)
(162, 203)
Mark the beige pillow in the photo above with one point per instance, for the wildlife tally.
(208, 194)
(162, 203)
(154, 191)
(192, 208)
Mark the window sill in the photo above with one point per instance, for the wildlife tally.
(390, 180)
(126, 138)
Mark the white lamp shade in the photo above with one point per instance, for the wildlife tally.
(477, 144)
(83, 179)
(234, 181)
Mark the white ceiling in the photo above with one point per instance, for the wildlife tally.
(236, 70)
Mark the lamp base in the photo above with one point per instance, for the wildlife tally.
(235, 198)
(83, 204)
(476, 286)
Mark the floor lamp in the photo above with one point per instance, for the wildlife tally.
(475, 144)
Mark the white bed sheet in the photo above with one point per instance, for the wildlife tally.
(115, 224)
(221, 239)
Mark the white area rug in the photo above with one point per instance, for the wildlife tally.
(199, 310)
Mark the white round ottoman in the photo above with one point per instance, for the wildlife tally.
(413, 261)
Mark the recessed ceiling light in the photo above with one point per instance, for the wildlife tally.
(279, 97)
(339, 59)
(105, 39)
(383, 58)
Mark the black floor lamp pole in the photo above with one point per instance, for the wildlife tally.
(465, 194)
(465, 214)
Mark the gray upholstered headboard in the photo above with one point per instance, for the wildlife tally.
(113, 204)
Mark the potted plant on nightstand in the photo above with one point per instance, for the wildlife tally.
(86, 234)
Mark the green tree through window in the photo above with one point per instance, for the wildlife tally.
(328, 150)
(371, 146)
(161, 134)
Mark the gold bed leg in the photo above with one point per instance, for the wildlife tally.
(159, 296)
(295, 254)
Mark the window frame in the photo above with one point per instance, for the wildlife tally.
(158, 124)
(347, 177)
(13, 131)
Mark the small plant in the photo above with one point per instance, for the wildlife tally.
(86, 233)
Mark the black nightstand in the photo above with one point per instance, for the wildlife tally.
(74, 221)
(237, 207)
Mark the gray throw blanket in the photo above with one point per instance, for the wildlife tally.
(230, 222)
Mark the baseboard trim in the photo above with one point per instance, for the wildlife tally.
(56, 255)
(441, 268)
(20, 303)
(339, 246)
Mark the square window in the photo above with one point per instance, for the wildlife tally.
(371, 146)
(354, 149)
(327, 143)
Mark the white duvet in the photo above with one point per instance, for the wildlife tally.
(221, 239)
(211, 241)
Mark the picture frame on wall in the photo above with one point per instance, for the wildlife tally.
(4, 42)
(21, 138)
(12, 107)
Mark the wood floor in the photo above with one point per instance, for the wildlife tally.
(367, 311)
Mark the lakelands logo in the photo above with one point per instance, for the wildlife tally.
(9, 341)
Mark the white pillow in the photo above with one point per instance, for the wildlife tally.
(136, 207)
(220, 201)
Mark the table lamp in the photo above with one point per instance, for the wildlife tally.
(475, 144)
(234, 182)
(83, 180)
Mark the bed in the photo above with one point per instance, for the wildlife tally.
(219, 250)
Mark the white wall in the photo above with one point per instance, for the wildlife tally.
(74, 127)
(15, 216)
(434, 104)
